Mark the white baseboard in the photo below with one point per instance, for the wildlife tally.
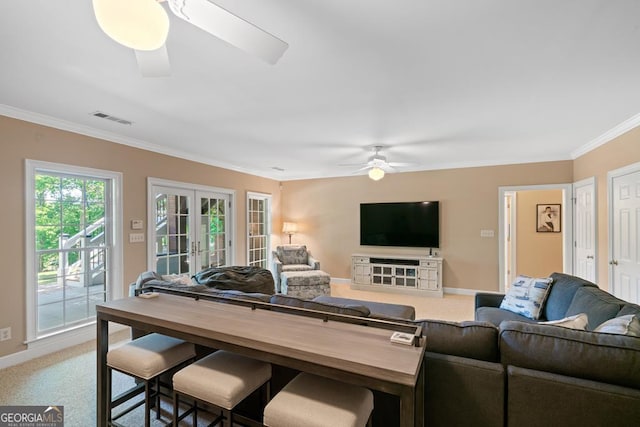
(460, 291)
(340, 281)
(451, 291)
(55, 343)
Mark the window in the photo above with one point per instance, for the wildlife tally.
(258, 229)
(189, 227)
(71, 255)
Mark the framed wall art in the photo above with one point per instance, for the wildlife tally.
(548, 218)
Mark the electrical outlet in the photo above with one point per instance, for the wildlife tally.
(5, 334)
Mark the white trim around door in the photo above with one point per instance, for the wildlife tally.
(567, 225)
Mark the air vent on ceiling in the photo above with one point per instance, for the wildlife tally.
(106, 116)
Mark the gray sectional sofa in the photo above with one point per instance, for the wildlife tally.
(506, 370)
(538, 374)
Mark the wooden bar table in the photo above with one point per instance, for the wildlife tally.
(356, 354)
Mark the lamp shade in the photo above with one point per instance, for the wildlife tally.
(289, 227)
(138, 24)
(376, 174)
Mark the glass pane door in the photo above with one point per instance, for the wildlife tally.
(172, 231)
(212, 235)
(189, 228)
(258, 220)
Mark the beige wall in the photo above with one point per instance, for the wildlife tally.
(328, 211)
(622, 151)
(538, 254)
(21, 140)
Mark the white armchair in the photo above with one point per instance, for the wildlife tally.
(292, 258)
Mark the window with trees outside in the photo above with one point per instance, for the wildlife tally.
(71, 247)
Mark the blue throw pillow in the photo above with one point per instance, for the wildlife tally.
(526, 296)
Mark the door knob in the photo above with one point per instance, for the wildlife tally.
(590, 256)
(613, 262)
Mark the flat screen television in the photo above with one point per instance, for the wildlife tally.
(406, 224)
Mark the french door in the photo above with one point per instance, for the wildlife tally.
(258, 229)
(189, 229)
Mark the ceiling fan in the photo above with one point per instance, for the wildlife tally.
(377, 164)
(143, 25)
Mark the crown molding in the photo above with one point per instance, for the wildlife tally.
(44, 120)
(608, 136)
(41, 119)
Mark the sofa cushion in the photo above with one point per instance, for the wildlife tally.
(296, 267)
(145, 277)
(292, 254)
(609, 358)
(348, 309)
(378, 310)
(579, 321)
(475, 340)
(629, 309)
(562, 291)
(526, 296)
(495, 315)
(233, 294)
(599, 305)
(622, 325)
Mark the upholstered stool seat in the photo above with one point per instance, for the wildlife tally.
(313, 401)
(222, 379)
(146, 358)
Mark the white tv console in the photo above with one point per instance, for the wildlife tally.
(403, 274)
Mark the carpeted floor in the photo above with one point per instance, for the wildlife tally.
(68, 378)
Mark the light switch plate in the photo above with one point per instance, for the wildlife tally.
(136, 237)
(137, 224)
(487, 233)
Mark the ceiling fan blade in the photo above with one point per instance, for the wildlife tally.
(401, 165)
(352, 165)
(154, 63)
(362, 169)
(230, 28)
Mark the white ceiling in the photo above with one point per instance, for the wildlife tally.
(441, 83)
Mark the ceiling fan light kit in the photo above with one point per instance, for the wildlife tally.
(376, 174)
(137, 24)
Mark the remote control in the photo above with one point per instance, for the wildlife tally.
(402, 338)
(148, 295)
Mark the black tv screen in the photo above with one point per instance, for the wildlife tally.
(409, 224)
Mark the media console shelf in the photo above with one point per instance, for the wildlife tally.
(403, 274)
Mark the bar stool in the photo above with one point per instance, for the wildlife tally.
(313, 401)
(145, 359)
(222, 380)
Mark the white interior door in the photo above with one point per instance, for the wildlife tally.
(585, 253)
(509, 238)
(625, 233)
